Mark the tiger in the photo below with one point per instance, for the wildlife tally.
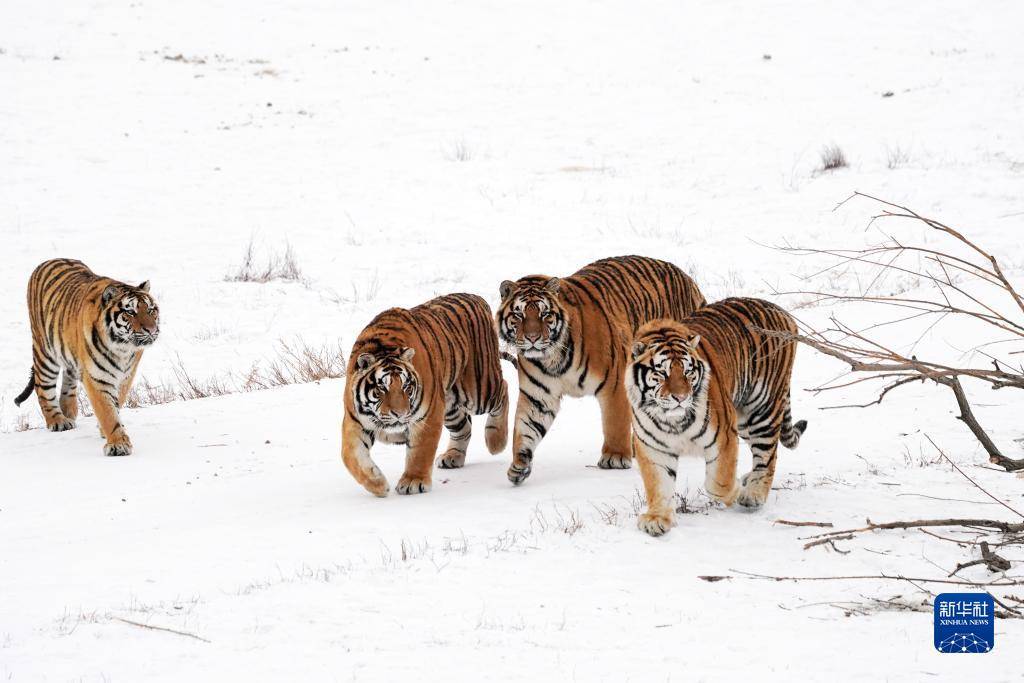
(571, 337)
(412, 371)
(698, 385)
(95, 329)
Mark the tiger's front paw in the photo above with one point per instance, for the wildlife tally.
(722, 494)
(61, 424)
(656, 523)
(118, 446)
(451, 459)
(412, 485)
(377, 486)
(615, 462)
(518, 473)
(753, 493)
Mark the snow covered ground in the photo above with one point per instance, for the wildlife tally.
(406, 150)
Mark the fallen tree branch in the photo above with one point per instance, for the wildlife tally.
(955, 280)
(822, 541)
(976, 484)
(1007, 581)
(992, 561)
(789, 523)
(160, 628)
(967, 417)
(999, 525)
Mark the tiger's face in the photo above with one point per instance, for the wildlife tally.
(531, 317)
(130, 315)
(387, 390)
(667, 373)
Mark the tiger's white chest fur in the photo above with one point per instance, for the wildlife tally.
(560, 378)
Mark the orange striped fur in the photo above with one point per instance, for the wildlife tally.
(412, 372)
(698, 386)
(572, 338)
(94, 329)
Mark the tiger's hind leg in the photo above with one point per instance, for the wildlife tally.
(460, 428)
(616, 423)
(46, 368)
(496, 430)
(69, 394)
(763, 439)
(720, 467)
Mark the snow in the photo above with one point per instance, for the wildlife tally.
(407, 151)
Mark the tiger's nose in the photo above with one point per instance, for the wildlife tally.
(531, 336)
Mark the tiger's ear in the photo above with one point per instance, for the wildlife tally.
(506, 288)
(109, 293)
(144, 286)
(364, 361)
(693, 340)
(554, 285)
(407, 354)
(638, 349)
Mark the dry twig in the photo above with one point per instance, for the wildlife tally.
(789, 523)
(160, 628)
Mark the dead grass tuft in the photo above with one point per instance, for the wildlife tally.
(832, 158)
(276, 266)
(458, 151)
(895, 157)
(296, 362)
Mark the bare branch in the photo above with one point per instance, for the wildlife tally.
(976, 484)
(160, 628)
(880, 577)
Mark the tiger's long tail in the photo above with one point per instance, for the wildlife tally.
(791, 432)
(28, 388)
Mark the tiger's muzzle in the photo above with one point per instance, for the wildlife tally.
(145, 338)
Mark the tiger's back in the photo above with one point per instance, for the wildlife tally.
(631, 290)
(748, 339)
(457, 333)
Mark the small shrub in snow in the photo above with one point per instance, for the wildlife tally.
(458, 151)
(281, 266)
(896, 157)
(832, 157)
(295, 363)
